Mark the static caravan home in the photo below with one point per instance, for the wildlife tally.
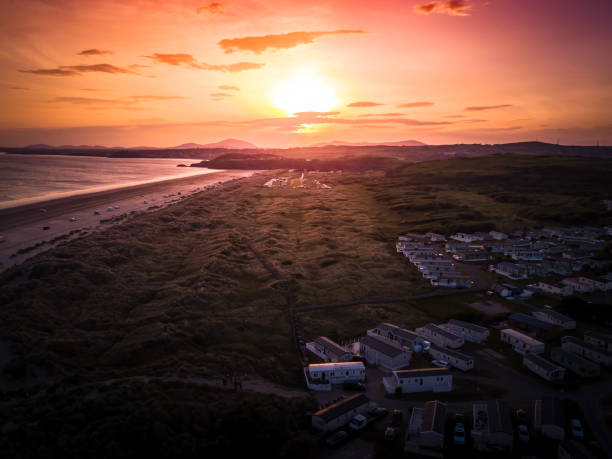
(426, 430)
(419, 380)
(520, 342)
(378, 351)
(575, 363)
(328, 350)
(541, 328)
(455, 359)
(492, 428)
(397, 335)
(440, 336)
(543, 368)
(556, 318)
(587, 350)
(467, 330)
(599, 339)
(340, 413)
(337, 373)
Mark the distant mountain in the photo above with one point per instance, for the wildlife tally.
(401, 143)
(233, 144)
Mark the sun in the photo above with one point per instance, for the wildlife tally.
(304, 91)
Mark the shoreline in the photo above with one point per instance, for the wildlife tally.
(23, 226)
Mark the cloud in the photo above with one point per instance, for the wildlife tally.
(73, 70)
(416, 104)
(233, 68)
(211, 8)
(188, 60)
(150, 97)
(485, 107)
(51, 72)
(454, 116)
(226, 87)
(452, 7)
(220, 94)
(19, 88)
(91, 101)
(130, 102)
(94, 52)
(363, 104)
(175, 59)
(258, 44)
(381, 114)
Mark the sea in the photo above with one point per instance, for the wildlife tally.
(26, 179)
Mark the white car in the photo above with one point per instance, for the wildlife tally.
(358, 422)
(576, 428)
(439, 363)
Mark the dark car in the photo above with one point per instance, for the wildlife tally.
(357, 358)
(379, 412)
(354, 386)
(396, 418)
(337, 438)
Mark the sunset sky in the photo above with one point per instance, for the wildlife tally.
(294, 73)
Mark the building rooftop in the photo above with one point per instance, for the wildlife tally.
(541, 362)
(434, 415)
(521, 336)
(471, 326)
(335, 365)
(555, 315)
(584, 344)
(341, 407)
(455, 354)
(331, 346)
(531, 321)
(398, 331)
(600, 336)
(384, 347)
(420, 372)
(440, 331)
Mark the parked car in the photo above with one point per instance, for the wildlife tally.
(337, 438)
(459, 435)
(358, 422)
(396, 418)
(379, 412)
(439, 363)
(354, 386)
(357, 358)
(523, 433)
(576, 429)
(390, 433)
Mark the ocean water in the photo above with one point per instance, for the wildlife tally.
(33, 178)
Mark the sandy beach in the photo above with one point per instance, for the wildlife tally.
(33, 228)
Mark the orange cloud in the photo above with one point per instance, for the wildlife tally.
(258, 44)
(175, 59)
(220, 94)
(94, 52)
(382, 114)
(211, 8)
(190, 61)
(91, 101)
(72, 70)
(485, 107)
(226, 87)
(19, 88)
(415, 104)
(452, 7)
(363, 104)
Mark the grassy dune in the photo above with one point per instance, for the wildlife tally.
(205, 287)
